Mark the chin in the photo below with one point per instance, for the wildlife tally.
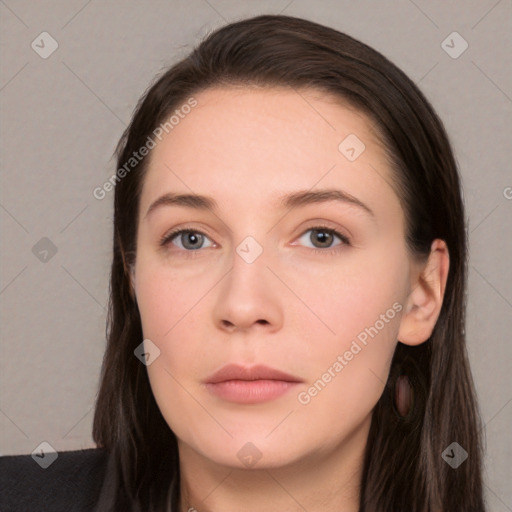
(251, 450)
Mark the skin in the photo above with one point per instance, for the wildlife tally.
(293, 309)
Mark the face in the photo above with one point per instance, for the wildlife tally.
(275, 313)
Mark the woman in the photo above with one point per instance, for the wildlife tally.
(286, 327)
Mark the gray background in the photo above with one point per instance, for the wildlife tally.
(61, 118)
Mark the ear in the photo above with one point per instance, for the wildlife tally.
(426, 297)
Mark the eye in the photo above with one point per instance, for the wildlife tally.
(323, 238)
(186, 239)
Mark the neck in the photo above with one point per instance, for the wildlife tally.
(326, 480)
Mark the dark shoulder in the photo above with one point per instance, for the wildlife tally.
(72, 482)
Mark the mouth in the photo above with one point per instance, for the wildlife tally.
(250, 385)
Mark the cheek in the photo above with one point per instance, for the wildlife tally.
(167, 305)
(165, 297)
(346, 300)
(171, 307)
(349, 347)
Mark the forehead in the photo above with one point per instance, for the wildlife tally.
(280, 117)
(250, 144)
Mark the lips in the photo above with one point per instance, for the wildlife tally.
(237, 372)
(250, 385)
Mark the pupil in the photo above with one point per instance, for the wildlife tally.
(192, 240)
(324, 237)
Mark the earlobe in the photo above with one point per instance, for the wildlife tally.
(426, 297)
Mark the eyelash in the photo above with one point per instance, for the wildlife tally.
(169, 237)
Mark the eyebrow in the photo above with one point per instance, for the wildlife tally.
(290, 201)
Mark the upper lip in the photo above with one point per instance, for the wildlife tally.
(248, 373)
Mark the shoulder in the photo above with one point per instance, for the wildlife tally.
(72, 482)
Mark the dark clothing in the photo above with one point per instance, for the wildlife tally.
(72, 483)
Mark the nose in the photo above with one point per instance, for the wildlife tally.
(249, 297)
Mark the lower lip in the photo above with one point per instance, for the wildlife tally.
(250, 391)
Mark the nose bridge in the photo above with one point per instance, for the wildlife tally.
(249, 250)
(246, 297)
(249, 261)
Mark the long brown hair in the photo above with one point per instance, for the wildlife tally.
(403, 468)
